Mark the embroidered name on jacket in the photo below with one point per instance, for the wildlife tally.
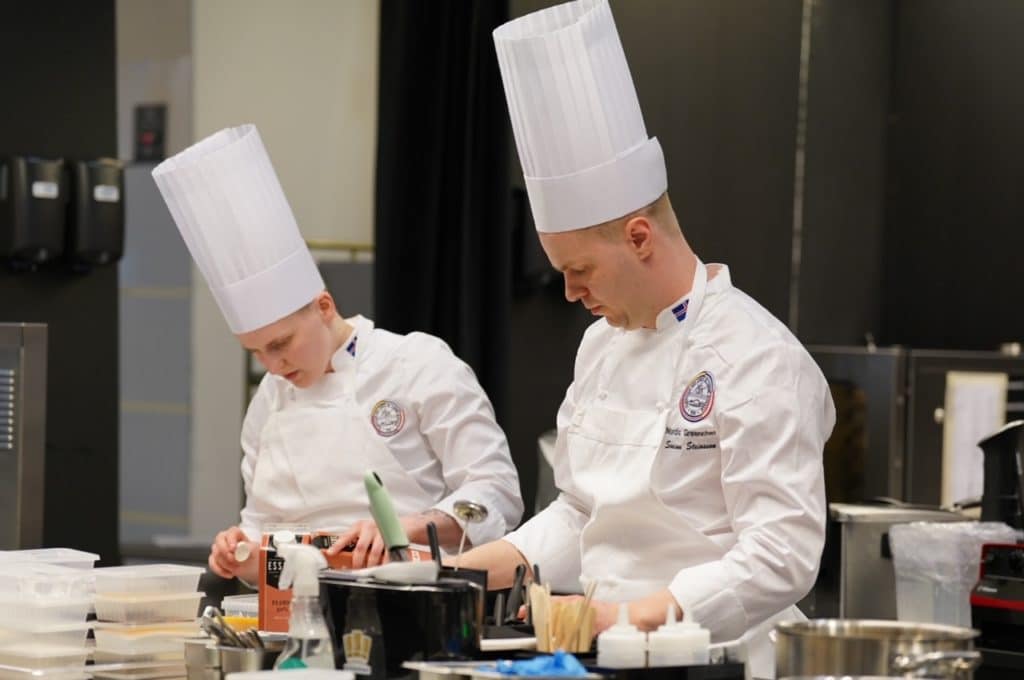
(681, 439)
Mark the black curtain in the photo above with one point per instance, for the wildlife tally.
(442, 210)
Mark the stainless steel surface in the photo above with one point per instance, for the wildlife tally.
(855, 580)
(22, 434)
(469, 511)
(238, 659)
(864, 647)
(200, 656)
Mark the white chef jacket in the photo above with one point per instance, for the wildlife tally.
(741, 467)
(446, 441)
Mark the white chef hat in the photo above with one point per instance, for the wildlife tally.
(232, 213)
(581, 137)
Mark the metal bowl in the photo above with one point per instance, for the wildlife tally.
(874, 648)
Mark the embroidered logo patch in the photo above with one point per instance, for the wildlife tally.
(680, 310)
(387, 417)
(698, 398)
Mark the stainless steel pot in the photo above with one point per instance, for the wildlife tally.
(863, 647)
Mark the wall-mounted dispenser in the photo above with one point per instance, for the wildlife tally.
(95, 212)
(33, 198)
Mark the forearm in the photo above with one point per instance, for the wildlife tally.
(449, 532)
(499, 558)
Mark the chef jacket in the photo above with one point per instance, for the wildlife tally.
(402, 405)
(728, 511)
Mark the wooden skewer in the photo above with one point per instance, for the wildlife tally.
(581, 616)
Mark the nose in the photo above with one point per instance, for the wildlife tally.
(573, 291)
(276, 366)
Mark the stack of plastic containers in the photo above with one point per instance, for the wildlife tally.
(143, 613)
(241, 612)
(45, 597)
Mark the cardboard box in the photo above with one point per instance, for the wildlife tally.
(275, 602)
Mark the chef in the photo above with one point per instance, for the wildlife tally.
(340, 396)
(689, 450)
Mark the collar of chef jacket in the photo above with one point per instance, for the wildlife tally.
(345, 358)
(676, 315)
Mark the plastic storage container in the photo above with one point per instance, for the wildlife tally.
(64, 557)
(143, 608)
(41, 655)
(241, 605)
(158, 638)
(69, 635)
(937, 566)
(29, 613)
(154, 579)
(44, 581)
(241, 612)
(100, 656)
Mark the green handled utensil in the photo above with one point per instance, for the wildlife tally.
(383, 511)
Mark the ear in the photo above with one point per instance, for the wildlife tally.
(323, 303)
(640, 236)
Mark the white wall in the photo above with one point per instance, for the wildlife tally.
(306, 74)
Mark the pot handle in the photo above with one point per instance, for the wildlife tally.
(956, 662)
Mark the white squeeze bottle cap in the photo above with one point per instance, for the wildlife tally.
(622, 645)
(670, 644)
(678, 644)
(301, 571)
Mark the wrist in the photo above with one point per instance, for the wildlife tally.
(649, 613)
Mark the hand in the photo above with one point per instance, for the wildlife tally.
(647, 613)
(222, 556)
(369, 550)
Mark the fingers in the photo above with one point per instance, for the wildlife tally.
(222, 553)
(375, 555)
(367, 533)
(218, 568)
(345, 539)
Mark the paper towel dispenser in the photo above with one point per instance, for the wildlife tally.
(33, 198)
(95, 212)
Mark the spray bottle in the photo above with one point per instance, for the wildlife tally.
(309, 641)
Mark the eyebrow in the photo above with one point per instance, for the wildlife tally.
(270, 345)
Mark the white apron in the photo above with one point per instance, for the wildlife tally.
(314, 451)
(633, 544)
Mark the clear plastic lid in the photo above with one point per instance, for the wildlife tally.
(42, 580)
(147, 578)
(65, 557)
(241, 605)
(64, 635)
(44, 655)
